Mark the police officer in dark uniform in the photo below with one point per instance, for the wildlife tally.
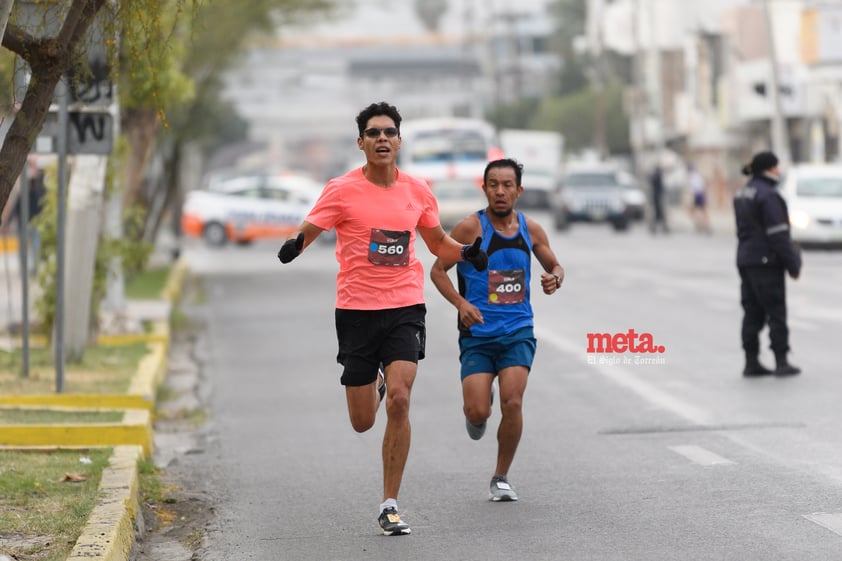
(765, 254)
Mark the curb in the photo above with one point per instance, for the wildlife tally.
(135, 429)
(140, 395)
(8, 243)
(109, 534)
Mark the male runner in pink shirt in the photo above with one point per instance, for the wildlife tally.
(380, 308)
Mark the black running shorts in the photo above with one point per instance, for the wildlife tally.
(368, 338)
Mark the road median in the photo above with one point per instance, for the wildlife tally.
(110, 530)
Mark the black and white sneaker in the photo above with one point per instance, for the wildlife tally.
(392, 524)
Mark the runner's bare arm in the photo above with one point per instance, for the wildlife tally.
(553, 276)
(440, 244)
(464, 232)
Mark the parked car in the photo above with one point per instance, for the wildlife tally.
(634, 196)
(248, 208)
(594, 193)
(457, 198)
(814, 196)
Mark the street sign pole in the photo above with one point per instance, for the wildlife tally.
(23, 228)
(61, 231)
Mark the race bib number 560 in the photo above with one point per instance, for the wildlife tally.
(389, 248)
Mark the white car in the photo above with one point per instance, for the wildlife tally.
(814, 196)
(634, 196)
(457, 198)
(591, 193)
(244, 209)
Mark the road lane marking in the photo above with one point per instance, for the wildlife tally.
(802, 325)
(701, 456)
(832, 522)
(627, 379)
(723, 427)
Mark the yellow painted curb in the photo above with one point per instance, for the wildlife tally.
(78, 401)
(136, 429)
(150, 372)
(160, 333)
(8, 243)
(109, 534)
(175, 281)
(142, 388)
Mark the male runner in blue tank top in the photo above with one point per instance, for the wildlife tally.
(495, 317)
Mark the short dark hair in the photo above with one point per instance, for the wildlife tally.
(376, 109)
(504, 163)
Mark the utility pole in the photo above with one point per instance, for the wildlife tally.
(638, 131)
(780, 137)
(657, 100)
(597, 52)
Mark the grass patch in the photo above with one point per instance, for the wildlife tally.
(148, 284)
(44, 513)
(178, 320)
(103, 369)
(149, 482)
(52, 416)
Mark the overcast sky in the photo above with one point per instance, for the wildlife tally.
(396, 18)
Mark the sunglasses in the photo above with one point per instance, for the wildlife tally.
(374, 132)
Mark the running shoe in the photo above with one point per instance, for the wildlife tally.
(392, 524)
(502, 490)
(476, 431)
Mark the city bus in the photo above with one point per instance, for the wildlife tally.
(447, 148)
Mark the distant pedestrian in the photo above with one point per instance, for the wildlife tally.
(376, 211)
(659, 218)
(698, 206)
(496, 338)
(765, 252)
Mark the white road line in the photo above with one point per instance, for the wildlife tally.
(723, 305)
(627, 379)
(701, 456)
(832, 522)
(802, 325)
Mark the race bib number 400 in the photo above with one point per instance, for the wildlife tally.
(389, 248)
(506, 287)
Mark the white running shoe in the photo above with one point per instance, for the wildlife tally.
(502, 490)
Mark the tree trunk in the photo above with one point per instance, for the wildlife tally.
(140, 126)
(48, 59)
(5, 11)
(25, 127)
(170, 188)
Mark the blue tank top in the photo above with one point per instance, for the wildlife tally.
(501, 292)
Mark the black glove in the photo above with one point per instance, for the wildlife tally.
(291, 249)
(474, 255)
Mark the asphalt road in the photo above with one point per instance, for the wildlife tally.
(660, 456)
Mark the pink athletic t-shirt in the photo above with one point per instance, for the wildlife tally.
(375, 238)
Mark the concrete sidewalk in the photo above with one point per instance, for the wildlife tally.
(721, 219)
